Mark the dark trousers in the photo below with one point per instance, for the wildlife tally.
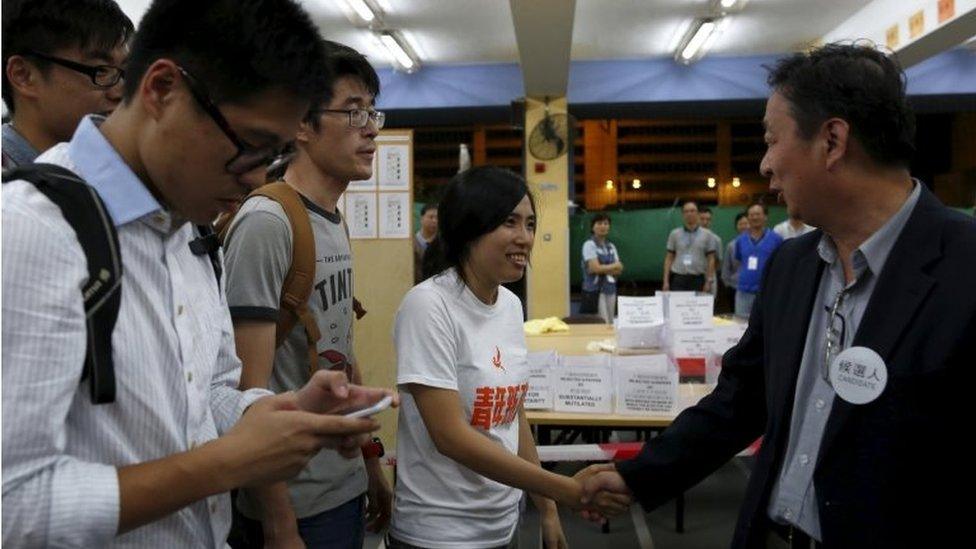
(343, 527)
(687, 283)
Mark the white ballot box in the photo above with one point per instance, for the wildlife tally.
(541, 365)
(640, 322)
(726, 337)
(689, 311)
(583, 383)
(645, 384)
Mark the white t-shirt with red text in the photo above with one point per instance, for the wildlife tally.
(447, 338)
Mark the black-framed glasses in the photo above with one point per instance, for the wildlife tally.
(103, 76)
(248, 157)
(836, 332)
(358, 118)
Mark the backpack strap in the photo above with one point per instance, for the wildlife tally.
(300, 278)
(84, 210)
(207, 242)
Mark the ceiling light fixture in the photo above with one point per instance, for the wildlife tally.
(727, 6)
(736, 182)
(693, 46)
(610, 184)
(711, 183)
(636, 183)
(362, 9)
(400, 52)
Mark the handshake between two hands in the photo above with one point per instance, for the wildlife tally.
(604, 493)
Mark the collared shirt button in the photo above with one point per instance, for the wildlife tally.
(189, 377)
(804, 459)
(213, 506)
(179, 310)
(820, 404)
(788, 514)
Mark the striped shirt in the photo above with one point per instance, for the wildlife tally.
(173, 348)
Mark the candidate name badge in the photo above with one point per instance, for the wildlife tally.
(858, 375)
(753, 263)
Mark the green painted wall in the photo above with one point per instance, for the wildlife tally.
(641, 237)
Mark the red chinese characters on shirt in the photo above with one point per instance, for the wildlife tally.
(497, 405)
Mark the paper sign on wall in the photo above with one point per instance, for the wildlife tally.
(541, 366)
(394, 215)
(394, 167)
(646, 384)
(361, 215)
(583, 384)
(690, 311)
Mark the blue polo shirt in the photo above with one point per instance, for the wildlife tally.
(752, 256)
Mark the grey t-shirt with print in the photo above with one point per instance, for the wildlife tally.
(257, 256)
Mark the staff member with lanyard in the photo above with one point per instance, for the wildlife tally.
(689, 265)
(601, 266)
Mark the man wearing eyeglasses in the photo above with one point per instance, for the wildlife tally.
(323, 507)
(858, 363)
(211, 95)
(62, 60)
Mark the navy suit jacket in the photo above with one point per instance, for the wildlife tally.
(891, 473)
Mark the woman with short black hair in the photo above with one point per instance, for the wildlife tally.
(601, 267)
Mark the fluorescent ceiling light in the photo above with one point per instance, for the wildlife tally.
(398, 52)
(693, 47)
(362, 9)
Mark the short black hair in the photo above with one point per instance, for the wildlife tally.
(857, 83)
(598, 218)
(704, 210)
(738, 216)
(686, 202)
(46, 26)
(427, 207)
(340, 61)
(237, 48)
(764, 207)
(475, 202)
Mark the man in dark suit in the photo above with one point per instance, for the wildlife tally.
(857, 365)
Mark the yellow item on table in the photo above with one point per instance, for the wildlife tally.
(539, 326)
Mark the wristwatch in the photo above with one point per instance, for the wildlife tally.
(373, 448)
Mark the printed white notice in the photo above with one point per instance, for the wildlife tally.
(636, 311)
(645, 384)
(728, 336)
(361, 215)
(394, 215)
(394, 167)
(583, 384)
(541, 365)
(690, 311)
(692, 343)
(366, 184)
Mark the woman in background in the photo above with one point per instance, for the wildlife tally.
(601, 266)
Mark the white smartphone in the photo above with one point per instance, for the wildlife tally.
(383, 404)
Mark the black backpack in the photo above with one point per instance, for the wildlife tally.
(84, 210)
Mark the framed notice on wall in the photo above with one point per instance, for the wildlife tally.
(381, 207)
